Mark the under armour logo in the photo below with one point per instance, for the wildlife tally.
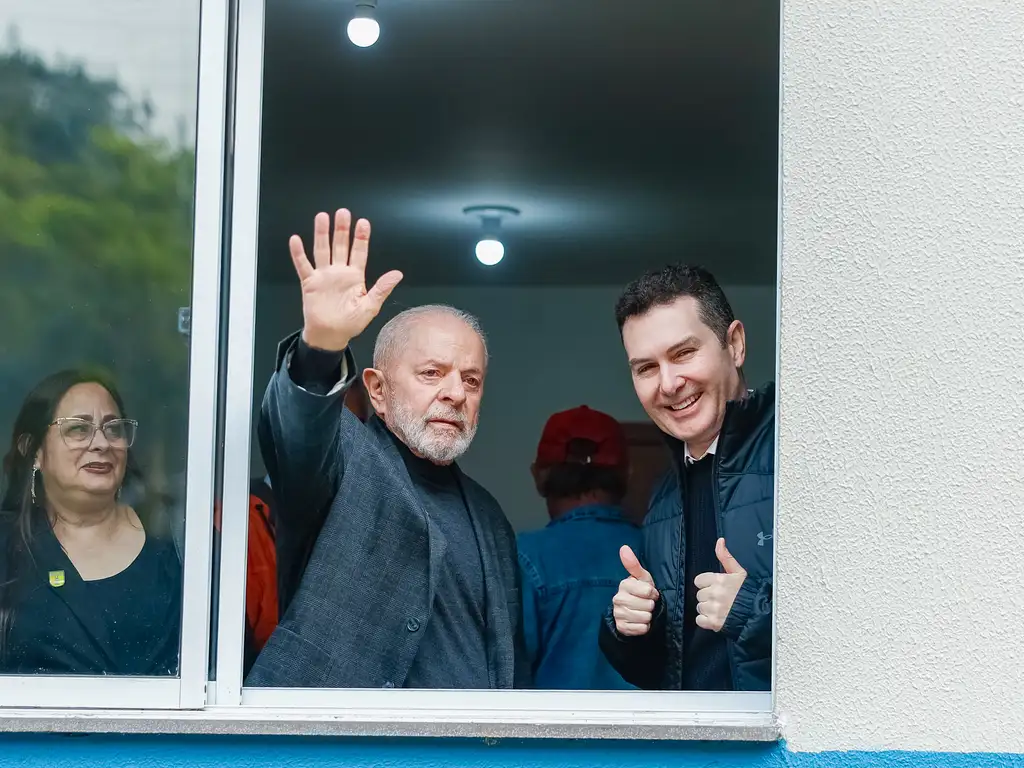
(761, 538)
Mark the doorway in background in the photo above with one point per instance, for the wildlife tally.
(649, 459)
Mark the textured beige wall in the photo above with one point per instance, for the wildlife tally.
(901, 511)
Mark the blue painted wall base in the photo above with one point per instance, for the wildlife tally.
(63, 751)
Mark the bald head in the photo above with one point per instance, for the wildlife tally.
(395, 335)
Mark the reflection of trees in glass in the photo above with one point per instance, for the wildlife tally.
(95, 247)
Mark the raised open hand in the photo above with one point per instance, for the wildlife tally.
(336, 307)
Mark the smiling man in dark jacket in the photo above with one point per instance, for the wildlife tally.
(695, 610)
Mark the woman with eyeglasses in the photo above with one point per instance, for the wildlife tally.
(83, 589)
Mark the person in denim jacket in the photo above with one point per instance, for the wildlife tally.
(570, 568)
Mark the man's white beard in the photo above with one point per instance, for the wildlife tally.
(422, 439)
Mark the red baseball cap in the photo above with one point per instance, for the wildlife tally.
(583, 423)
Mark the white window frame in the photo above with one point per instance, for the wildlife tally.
(188, 689)
(418, 710)
(223, 705)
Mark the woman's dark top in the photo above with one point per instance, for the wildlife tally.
(128, 624)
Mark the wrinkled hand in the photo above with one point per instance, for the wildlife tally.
(717, 591)
(633, 604)
(336, 307)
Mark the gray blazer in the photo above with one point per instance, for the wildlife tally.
(358, 558)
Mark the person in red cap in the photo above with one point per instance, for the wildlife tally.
(570, 568)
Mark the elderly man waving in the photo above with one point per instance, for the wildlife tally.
(395, 568)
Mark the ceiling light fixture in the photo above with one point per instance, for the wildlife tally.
(489, 249)
(363, 29)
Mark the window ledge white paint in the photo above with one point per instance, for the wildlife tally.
(504, 723)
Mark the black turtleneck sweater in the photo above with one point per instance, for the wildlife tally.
(453, 652)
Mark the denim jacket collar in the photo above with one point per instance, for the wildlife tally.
(591, 512)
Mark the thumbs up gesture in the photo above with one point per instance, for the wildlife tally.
(633, 604)
(717, 591)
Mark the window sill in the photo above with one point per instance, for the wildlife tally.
(505, 723)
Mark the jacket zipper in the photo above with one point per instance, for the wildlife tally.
(720, 530)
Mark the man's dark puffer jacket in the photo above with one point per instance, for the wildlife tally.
(744, 472)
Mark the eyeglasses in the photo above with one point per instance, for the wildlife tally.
(79, 433)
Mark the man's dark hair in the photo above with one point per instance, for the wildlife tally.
(663, 286)
(575, 478)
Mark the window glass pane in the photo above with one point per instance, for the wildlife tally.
(525, 167)
(97, 140)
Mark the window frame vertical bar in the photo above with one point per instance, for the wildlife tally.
(240, 340)
(203, 351)
(778, 368)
